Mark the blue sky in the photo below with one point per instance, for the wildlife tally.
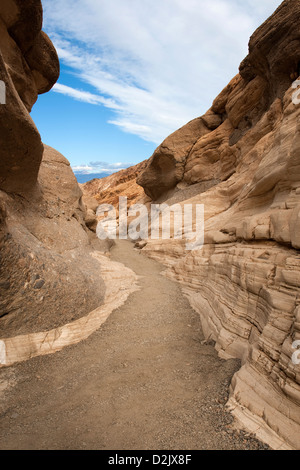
(133, 71)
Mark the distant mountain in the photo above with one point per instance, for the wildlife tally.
(121, 183)
(84, 178)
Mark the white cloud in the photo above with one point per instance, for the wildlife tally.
(157, 65)
(85, 96)
(100, 167)
(85, 169)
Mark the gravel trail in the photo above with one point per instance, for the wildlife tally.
(145, 380)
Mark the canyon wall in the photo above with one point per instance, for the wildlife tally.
(242, 161)
(49, 274)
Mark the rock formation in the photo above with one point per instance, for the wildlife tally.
(108, 190)
(28, 66)
(49, 275)
(242, 161)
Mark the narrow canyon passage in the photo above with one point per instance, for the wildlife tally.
(145, 380)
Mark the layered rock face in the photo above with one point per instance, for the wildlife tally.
(48, 276)
(242, 161)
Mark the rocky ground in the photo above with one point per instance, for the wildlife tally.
(241, 161)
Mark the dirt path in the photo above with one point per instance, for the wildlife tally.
(143, 381)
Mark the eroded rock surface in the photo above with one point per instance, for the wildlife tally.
(28, 66)
(108, 191)
(242, 161)
(48, 274)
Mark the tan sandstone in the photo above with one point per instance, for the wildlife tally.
(245, 281)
